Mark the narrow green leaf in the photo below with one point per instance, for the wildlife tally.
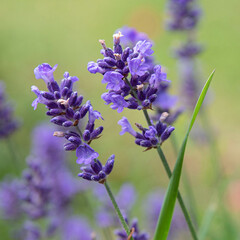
(167, 210)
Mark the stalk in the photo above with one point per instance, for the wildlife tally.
(116, 207)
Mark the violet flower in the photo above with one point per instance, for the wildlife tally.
(66, 109)
(10, 199)
(149, 137)
(183, 14)
(8, 124)
(126, 70)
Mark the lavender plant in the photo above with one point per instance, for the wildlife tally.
(133, 82)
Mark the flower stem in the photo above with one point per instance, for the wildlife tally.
(119, 214)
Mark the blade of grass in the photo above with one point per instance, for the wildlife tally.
(166, 213)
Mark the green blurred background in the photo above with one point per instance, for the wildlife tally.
(67, 33)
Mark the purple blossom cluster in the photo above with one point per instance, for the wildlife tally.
(149, 137)
(65, 108)
(183, 14)
(131, 78)
(8, 124)
(45, 190)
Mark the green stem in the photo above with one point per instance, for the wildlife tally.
(120, 216)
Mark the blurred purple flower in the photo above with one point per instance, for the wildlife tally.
(8, 124)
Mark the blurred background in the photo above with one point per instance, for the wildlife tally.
(67, 33)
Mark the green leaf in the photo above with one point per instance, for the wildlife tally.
(167, 210)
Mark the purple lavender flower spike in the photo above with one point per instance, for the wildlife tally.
(85, 154)
(10, 200)
(184, 14)
(114, 80)
(124, 70)
(45, 72)
(8, 124)
(66, 110)
(149, 138)
(126, 127)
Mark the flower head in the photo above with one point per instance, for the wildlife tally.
(151, 137)
(124, 70)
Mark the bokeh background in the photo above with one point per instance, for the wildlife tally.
(67, 33)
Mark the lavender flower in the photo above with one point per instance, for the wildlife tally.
(149, 137)
(8, 124)
(127, 72)
(137, 235)
(66, 109)
(183, 14)
(190, 85)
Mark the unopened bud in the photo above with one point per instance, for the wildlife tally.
(103, 44)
